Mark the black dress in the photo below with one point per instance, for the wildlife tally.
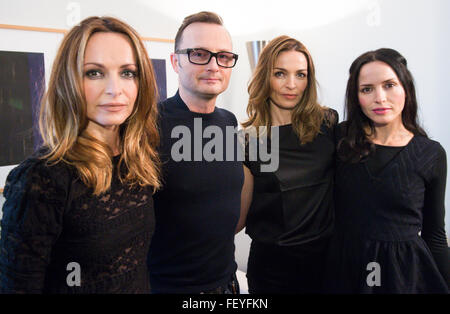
(51, 219)
(290, 218)
(389, 235)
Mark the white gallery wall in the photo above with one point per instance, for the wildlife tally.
(335, 32)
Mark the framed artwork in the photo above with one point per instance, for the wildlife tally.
(159, 67)
(22, 83)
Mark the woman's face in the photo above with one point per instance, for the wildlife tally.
(289, 79)
(380, 93)
(110, 80)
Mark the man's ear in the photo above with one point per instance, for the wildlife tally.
(175, 61)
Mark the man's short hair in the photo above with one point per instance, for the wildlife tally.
(200, 17)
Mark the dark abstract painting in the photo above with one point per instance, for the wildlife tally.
(22, 84)
(159, 66)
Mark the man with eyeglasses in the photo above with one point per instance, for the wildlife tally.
(197, 209)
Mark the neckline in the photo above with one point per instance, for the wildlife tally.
(410, 140)
(182, 105)
(116, 158)
(389, 147)
(393, 161)
(281, 125)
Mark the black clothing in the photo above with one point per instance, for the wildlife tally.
(231, 287)
(381, 207)
(198, 208)
(50, 219)
(276, 269)
(291, 215)
(294, 205)
(381, 157)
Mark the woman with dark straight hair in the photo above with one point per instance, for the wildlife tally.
(390, 187)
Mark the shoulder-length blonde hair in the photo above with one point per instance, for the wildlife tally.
(307, 116)
(63, 118)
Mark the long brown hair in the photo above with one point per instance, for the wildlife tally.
(307, 116)
(63, 118)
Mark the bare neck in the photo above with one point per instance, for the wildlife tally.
(280, 116)
(109, 136)
(197, 103)
(393, 134)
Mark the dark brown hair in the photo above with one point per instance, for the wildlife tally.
(355, 145)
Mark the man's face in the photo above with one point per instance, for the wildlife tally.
(202, 81)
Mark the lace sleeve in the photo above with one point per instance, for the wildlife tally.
(32, 221)
(331, 117)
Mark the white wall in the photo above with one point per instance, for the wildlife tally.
(335, 32)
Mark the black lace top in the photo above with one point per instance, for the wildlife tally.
(51, 219)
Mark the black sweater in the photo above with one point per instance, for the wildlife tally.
(198, 208)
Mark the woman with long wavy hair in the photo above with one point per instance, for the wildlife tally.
(78, 215)
(287, 212)
(390, 187)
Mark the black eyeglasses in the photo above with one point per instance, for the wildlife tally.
(202, 56)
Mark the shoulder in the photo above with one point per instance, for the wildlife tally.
(434, 147)
(330, 115)
(341, 129)
(35, 174)
(168, 114)
(164, 105)
(330, 120)
(427, 153)
(425, 144)
(342, 126)
(226, 116)
(35, 198)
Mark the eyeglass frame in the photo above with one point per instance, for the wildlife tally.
(211, 54)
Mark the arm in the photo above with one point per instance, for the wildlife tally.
(32, 221)
(433, 230)
(246, 198)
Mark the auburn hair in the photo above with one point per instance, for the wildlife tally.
(63, 118)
